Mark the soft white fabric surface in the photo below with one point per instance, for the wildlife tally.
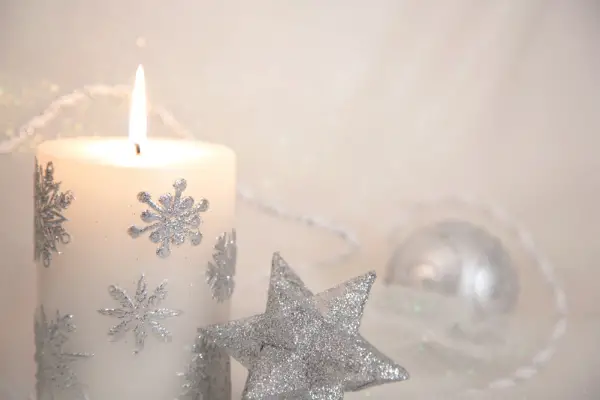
(351, 109)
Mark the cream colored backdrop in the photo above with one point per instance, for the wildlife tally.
(352, 109)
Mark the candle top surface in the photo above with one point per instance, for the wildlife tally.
(121, 152)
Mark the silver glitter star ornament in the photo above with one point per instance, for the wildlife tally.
(306, 346)
(172, 220)
(220, 271)
(54, 375)
(49, 206)
(140, 313)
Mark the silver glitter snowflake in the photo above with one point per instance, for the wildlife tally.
(195, 377)
(49, 206)
(208, 374)
(140, 313)
(172, 220)
(54, 373)
(220, 272)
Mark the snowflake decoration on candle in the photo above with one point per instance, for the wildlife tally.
(140, 313)
(172, 220)
(220, 272)
(209, 365)
(49, 206)
(54, 373)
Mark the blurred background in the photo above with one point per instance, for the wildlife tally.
(450, 145)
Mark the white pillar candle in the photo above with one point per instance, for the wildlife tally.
(132, 283)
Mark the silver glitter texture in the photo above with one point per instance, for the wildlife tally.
(140, 313)
(49, 206)
(209, 374)
(173, 220)
(221, 271)
(54, 376)
(306, 346)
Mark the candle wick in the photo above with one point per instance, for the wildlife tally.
(137, 149)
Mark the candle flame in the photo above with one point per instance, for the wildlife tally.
(138, 116)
